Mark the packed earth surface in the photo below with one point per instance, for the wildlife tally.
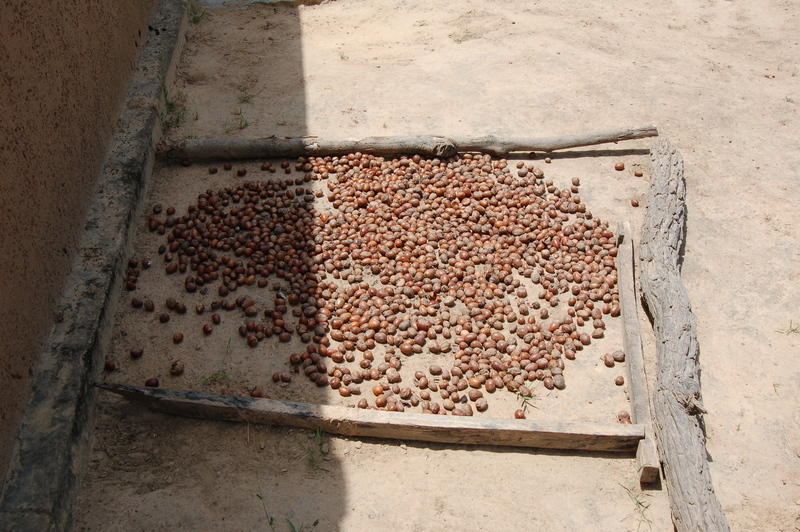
(402, 262)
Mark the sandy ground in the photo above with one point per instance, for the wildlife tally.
(719, 79)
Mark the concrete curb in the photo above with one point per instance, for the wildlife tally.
(50, 453)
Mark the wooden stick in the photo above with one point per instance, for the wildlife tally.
(501, 146)
(393, 425)
(205, 149)
(438, 146)
(647, 453)
(677, 400)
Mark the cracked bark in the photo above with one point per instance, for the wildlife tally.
(677, 400)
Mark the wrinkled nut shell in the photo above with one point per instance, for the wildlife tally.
(176, 368)
(481, 405)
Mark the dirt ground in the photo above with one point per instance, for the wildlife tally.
(719, 79)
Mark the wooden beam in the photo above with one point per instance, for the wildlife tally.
(346, 421)
(433, 145)
(677, 399)
(647, 453)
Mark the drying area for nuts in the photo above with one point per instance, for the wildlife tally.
(464, 286)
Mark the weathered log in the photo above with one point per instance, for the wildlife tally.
(571, 435)
(647, 453)
(677, 399)
(438, 146)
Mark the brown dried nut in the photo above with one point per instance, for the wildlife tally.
(256, 393)
(380, 401)
(136, 302)
(110, 365)
(519, 414)
(608, 360)
(152, 382)
(177, 337)
(620, 380)
(634, 202)
(149, 306)
(207, 328)
(624, 417)
(377, 390)
(481, 405)
(216, 318)
(136, 352)
(344, 391)
(474, 382)
(164, 318)
(435, 369)
(176, 368)
(474, 395)
(558, 382)
(618, 356)
(638, 173)
(619, 166)
(448, 404)
(362, 403)
(490, 386)
(548, 383)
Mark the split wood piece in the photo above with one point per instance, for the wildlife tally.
(647, 453)
(346, 421)
(677, 399)
(438, 146)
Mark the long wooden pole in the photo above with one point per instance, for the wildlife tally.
(438, 146)
(677, 399)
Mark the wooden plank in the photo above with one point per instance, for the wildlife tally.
(677, 399)
(438, 146)
(393, 425)
(647, 453)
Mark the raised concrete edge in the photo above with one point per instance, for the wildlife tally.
(50, 452)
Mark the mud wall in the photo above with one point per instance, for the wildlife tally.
(64, 68)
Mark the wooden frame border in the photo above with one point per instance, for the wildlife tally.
(346, 421)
